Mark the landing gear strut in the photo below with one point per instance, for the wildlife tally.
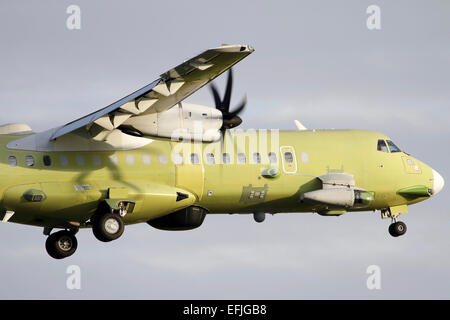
(61, 244)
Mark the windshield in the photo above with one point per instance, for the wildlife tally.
(393, 147)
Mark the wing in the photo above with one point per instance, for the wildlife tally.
(172, 87)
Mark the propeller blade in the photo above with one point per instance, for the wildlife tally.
(216, 95)
(227, 98)
(239, 109)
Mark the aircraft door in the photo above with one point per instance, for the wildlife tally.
(189, 170)
(288, 159)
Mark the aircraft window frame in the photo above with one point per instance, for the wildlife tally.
(226, 158)
(241, 158)
(47, 160)
(64, 160)
(273, 158)
(162, 158)
(257, 157)
(29, 160)
(288, 157)
(146, 159)
(210, 158)
(97, 160)
(380, 144)
(80, 159)
(393, 147)
(177, 159)
(114, 160)
(195, 159)
(129, 158)
(13, 162)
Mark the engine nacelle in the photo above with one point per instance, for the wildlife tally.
(183, 121)
(185, 219)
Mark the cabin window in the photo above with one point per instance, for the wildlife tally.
(63, 160)
(12, 160)
(194, 158)
(272, 157)
(129, 159)
(226, 158)
(114, 160)
(256, 157)
(210, 158)
(97, 160)
(162, 158)
(47, 160)
(393, 147)
(81, 161)
(146, 159)
(29, 160)
(288, 157)
(177, 158)
(382, 146)
(241, 158)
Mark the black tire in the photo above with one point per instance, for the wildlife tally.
(107, 227)
(400, 228)
(392, 231)
(61, 244)
(397, 229)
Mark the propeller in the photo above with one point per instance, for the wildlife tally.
(231, 119)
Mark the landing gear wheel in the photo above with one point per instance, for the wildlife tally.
(397, 229)
(61, 244)
(107, 227)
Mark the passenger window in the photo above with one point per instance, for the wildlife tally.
(114, 160)
(130, 159)
(256, 157)
(241, 158)
(97, 160)
(194, 158)
(63, 160)
(210, 158)
(81, 161)
(162, 158)
(146, 159)
(226, 158)
(29, 160)
(288, 157)
(382, 146)
(47, 160)
(272, 157)
(12, 160)
(177, 158)
(392, 147)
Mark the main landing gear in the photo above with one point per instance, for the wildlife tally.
(107, 226)
(61, 244)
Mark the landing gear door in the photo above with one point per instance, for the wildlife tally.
(288, 159)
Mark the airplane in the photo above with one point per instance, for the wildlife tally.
(152, 158)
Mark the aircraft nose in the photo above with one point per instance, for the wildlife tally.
(438, 182)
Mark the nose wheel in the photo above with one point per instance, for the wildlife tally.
(397, 228)
(61, 244)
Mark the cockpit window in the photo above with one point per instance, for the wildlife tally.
(382, 146)
(393, 147)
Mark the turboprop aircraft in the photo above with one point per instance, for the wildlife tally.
(150, 157)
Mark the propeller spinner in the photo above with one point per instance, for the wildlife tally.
(230, 119)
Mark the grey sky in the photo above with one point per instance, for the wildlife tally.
(315, 61)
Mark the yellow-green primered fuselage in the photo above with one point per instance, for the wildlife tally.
(264, 171)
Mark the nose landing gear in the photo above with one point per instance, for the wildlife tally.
(397, 228)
